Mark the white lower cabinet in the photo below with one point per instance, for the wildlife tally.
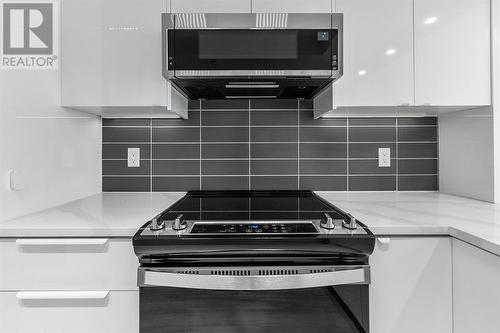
(411, 287)
(476, 289)
(67, 263)
(71, 311)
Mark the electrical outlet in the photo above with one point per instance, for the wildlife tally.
(134, 157)
(384, 157)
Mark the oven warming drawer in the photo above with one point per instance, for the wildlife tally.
(254, 278)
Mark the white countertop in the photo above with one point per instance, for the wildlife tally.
(102, 215)
(385, 213)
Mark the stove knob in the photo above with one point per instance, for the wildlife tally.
(248, 230)
(179, 223)
(352, 224)
(157, 224)
(327, 222)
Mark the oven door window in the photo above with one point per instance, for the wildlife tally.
(340, 309)
(254, 49)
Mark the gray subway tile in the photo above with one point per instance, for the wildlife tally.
(274, 134)
(225, 118)
(125, 184)
(372, 121)
(194, 104)
(125, 134)
(224, 134)
(417, 134)
(323, 167)
(417, 121)
(216, 150)
(224, 104)
(274, 118)
(323, 134)
(266, 104)
(372, 183)
(370, 167)
(273, 150)
(323, 150)
(418, 150)
(274, 167)
(121, 150)
(176, 167)
(418, 183)
(306, 104)
(176, 134)
(429, 166)
(307, 119)
(225, 167)
(372, 134)
(369, 150)
(126, 122)
(119, 167)
(193, 120)
(175, 184)
(323, 183)
(224, 183)
(274, 183)
(172, 150)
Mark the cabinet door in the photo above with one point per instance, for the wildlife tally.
(452, 52)
(411, 286)
(378, 53)
(210, 6)
(79, 311)
(476, 293)
(292, 6)
(111, 53)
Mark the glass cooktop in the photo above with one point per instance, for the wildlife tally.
(250, 205)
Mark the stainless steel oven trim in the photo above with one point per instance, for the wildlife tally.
(194, 74)
(206, 21)
(328, 276)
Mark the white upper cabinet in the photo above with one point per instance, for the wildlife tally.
(292, 6)
(111, 53)
(452, 52)
(210, 6)
(378, 53)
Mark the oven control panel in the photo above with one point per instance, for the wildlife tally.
(254, 228)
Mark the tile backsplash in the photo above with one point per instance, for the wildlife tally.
(269, 145)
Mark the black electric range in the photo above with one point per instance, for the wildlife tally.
(253, 261)
(229, 226)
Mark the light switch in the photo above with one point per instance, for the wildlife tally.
(134, 157)
(384, 157)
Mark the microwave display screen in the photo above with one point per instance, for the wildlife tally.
(247, 44)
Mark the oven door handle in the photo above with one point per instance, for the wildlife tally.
(152, 277)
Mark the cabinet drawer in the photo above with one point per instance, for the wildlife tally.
(64, 263)
(70, 311)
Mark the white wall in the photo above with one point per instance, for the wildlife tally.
(466, 154)
(495, 67)
(57, 151)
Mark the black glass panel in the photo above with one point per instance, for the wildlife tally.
(304, 49)
(278, 205)
(247, 44)
(253, 228)
(302, 310)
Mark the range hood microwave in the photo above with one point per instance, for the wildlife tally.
(236, 56)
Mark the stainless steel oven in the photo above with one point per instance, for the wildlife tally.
(249, 261)
(321, 298)
(218, 55)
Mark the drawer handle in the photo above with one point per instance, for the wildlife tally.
(62, 295)
(60, 241)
